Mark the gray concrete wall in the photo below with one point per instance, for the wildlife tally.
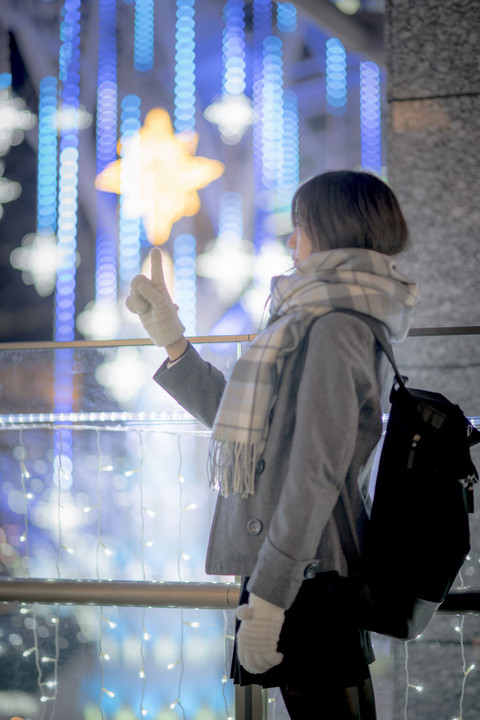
(433, 86)
(433, 71)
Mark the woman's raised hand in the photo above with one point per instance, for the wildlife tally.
(149, 299)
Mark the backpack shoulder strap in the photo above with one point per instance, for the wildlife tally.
(378, 329)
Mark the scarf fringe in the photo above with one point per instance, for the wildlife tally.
(231, 467)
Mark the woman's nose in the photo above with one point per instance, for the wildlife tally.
(291, 241)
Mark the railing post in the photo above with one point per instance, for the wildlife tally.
(250, 702)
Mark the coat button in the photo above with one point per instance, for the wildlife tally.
(260, 467)
(254, 527)
(311, 570)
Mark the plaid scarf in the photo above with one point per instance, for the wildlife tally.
(351, 279)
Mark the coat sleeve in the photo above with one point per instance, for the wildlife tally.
(338, 384)
(194, 383)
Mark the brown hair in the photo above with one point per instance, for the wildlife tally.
(343, 208)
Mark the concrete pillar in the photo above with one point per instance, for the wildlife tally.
(433, 76)
(433, 71)
(433, 86)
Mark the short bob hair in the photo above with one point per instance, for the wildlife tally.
(347, 209)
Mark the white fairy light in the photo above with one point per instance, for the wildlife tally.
(110, 623)
(418, 688)
(192, 506)
(129, 473)
(108, 552)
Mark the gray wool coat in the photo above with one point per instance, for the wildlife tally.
(323, 430)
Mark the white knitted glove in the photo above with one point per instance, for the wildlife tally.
(258, 634)
(150, 300)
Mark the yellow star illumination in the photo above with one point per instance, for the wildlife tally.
(158, 175)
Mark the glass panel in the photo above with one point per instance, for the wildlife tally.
(115, 487)
(89, 663)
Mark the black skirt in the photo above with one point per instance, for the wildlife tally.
(320, 640)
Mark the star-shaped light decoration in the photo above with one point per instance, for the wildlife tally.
(229, 261)
(9, 189)
(69, 117)
(38, 258)
(99, 320)
(233, 114)
(170, 175)
(14, 119)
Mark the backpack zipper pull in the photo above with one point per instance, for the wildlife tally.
(413, 447)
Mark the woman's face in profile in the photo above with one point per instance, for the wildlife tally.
(301, 246)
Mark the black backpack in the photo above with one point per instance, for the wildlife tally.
(418, 535)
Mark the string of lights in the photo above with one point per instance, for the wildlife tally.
(143, 37)
(31, 622)
(262, 29)
(69, 74)
(109, 468)
(106, 254)
(184, 121)
(272, 117)
(286, 17)
(47, 157)
(233, 48)
(101, 548)
(184, 83)
(232, 111)
(336, 77)
(370, 117)
(129, 221)
(290, 173)
(69, 77)
(144, 635)
(184, 260)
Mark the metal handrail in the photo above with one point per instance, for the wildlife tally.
(206, 339)
(120, 592)
(210, 595)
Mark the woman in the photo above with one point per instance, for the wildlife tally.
(293, 431)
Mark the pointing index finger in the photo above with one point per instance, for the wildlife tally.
(157, 268)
